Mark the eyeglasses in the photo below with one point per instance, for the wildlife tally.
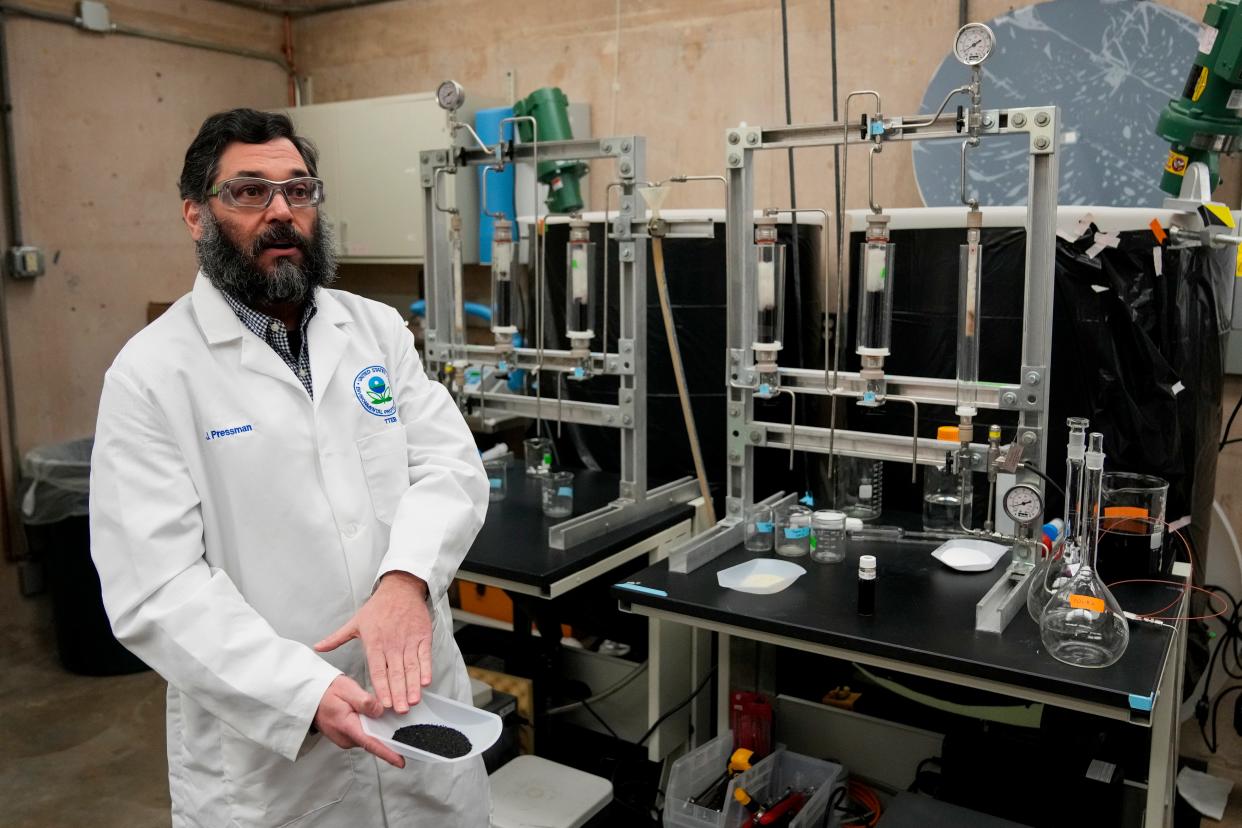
(257, 193)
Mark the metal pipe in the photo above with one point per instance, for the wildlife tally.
(13, 209)
(972, 202)
(537, 248)
(146, 34)
(961, 90)
(875, 148)
(305, 10)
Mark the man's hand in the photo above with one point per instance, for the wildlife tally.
(395, 627)
(337, 718)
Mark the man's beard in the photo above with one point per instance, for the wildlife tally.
(237, 272)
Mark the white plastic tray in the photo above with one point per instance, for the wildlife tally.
(762, 576)
(479, 726)
(969, 554)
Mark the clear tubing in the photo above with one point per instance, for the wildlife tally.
(502, 278)
(875, 310)
(579, 292)
(969, 294)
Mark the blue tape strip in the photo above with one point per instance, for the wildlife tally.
(644, 589)
(1142, 702)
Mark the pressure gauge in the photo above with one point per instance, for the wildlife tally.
(1024, 504)
(450, 95)
(973, 44)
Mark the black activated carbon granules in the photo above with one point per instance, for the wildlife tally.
(437, 739)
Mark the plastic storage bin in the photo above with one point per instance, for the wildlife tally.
(784, 769)
(695, 771)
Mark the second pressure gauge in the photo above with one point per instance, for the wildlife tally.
(450, 95)
(973, 44)
(1024, 504)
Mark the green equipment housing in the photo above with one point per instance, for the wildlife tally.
(1207, 119)
(550, 109)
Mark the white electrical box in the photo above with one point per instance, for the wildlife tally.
(369, 161)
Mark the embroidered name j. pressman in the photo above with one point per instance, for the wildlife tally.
(229, 432)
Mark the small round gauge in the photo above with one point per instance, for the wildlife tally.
(1024, 503)
(450, 95)
(973, 44)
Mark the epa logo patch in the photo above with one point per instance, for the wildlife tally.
(372, 389)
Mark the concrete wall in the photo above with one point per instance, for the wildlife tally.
(101, 128)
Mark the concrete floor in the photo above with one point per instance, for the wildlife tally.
(82, 751)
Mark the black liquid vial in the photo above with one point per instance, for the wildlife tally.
(866, 585)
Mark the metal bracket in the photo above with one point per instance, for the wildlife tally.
(1034, 388)
(738, 141)
(570, 533)
(1004, 600)
(1040, 122)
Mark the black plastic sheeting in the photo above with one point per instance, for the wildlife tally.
(698, 294)
(1139, 354)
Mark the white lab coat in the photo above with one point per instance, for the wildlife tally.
(235, 522)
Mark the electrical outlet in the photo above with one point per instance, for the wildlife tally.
(25, 262)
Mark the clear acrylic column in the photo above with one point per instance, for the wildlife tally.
(969, 293)
(769, 303)
(1083, 624)
(1057, 568)
(875, 309)
(503, 291)
(580, 296)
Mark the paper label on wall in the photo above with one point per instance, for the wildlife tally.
(1207, 39)
(1087, 602)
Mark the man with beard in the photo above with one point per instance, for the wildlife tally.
(274, 476)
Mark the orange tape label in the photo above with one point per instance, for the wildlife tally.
(1087, 602)
(1158, 231)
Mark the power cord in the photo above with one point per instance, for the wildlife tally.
(1228, 645)
(1224, 440)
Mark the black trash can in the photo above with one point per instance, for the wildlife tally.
(55, 508)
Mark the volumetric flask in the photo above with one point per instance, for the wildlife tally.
(759, 528)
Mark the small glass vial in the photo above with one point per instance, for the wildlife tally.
(793, 531)
(828, 537)
(558, 494)
(866, 585)
(538, 451)
(759, 528)
(497, 478)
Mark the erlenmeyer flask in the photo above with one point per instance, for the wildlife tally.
(1083, 624)
(1056, 569)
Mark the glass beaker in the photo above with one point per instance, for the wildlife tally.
(1132, 533)
(759, 528)
(497, 478)
(828, 536)
(859, 487)
(1083, 624)
(538, 452)
(944, 498)
(558, 493)
(793, 531)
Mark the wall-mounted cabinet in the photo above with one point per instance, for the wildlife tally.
(369, 161)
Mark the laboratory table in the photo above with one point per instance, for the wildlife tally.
(512, 551)
(924, 625)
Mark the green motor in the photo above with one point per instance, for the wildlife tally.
(1207, 119)
(550, 109)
